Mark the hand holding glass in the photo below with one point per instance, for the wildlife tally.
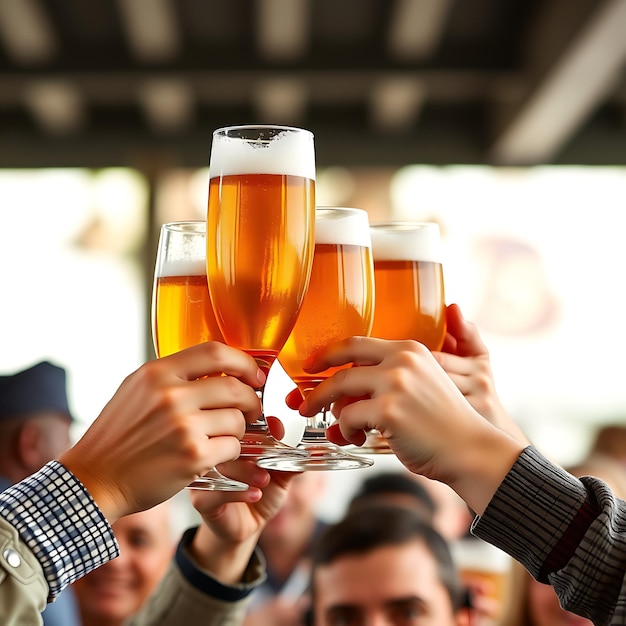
(182, 315)
(410, 299)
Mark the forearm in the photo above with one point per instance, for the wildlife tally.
(565, 531)
(226, 560)
(190, 594)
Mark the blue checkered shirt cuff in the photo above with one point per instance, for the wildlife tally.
(58, 520)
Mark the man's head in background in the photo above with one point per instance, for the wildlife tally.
(394, 488)
(35, 419)
(382, 564)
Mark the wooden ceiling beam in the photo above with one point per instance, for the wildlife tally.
(568, 93)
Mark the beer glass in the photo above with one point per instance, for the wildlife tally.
(182, 315)
(260, 229)
(410, 299)
(339, 303)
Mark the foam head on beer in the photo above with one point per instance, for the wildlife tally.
(182, 249)
(406, 241)
(179, 267)
(410, 295)
(341, 225)
(282, 153)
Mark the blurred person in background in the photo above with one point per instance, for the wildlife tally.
(35, 422)
(114, 592)
(286, 543)
(398, 488)
(382, 564)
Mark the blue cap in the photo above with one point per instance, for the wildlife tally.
(41, 387)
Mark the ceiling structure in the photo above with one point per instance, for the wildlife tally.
(379, 82)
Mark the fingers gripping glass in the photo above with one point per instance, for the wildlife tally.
(182, 315)
(410, 299)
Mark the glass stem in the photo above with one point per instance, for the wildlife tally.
(259, 425)
(316, 426)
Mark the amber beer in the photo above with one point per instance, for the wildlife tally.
(261, 226)
(410, 299)
(184, 315)
(339, 302)
(181, 307)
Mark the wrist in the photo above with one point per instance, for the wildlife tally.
(107, 497)
(481, 463)
(226, 560)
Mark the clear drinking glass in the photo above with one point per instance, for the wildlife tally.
(182, 315)
(339, 304)
(260, 229)
(410, 298)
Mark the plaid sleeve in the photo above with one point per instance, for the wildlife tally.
(58, 520)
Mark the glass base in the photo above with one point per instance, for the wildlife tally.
(260, 444)
(322, 456)
(375, 443)
(214, 481)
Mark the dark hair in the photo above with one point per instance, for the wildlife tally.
(381, 487)
(376, 525)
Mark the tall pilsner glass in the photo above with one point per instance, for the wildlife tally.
(260, 238)
(339, 304)
(410, 298)
(182, 315)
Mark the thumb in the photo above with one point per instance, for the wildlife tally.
(468, 341)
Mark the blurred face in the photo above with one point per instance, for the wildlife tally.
(116, 590)
(394, 585)
(545, 609)
(56, 435)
